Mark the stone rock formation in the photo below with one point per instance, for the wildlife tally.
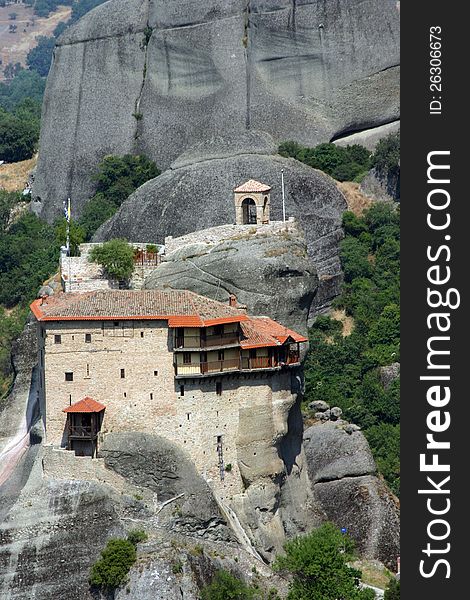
(141, 76)
(267, 269)
(346, 487)
(197, 192)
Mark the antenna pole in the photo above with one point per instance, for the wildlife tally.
(283, 197)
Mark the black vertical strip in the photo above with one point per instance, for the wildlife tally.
(427, 128)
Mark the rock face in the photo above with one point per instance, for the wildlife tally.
(346, 487)
(370, 137)
(268, 271)
(198, 195)
(149, 461)
(152, 77)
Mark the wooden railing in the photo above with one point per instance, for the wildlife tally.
(147, 259)
(81, 431)
(234, 364)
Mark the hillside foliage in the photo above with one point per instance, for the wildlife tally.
(318, 565)
(345, 371)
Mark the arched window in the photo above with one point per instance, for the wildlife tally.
(249, 211)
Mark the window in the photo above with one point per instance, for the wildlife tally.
(123, 373)
(88, 338)
(88, 370)
(116, 323)
(218, 330)
(57, 339)
(181, 390)
(221, 355)
(218, 388)
(155, 373)
(187, 358)
(141, 334)
(69, 376)
(253, 353)
(151, 396)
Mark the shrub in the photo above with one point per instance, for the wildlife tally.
(18, 138)
(386, 158)
(318, 563)
(112, 569)
(393, 590)
(136, 536)
(225, 586)
(116, 257)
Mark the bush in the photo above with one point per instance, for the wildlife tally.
(136, 536)
(112, 569)
(393, 590)
(39, 58)
(18, 138)
(343, 163)
(116, 257)
(319, 569)
(386, 158)
(225, 586)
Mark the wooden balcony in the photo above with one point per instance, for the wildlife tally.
(235, 364)
(82, 432)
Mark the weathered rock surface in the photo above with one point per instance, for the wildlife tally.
(381, 188)
(269, 273)
(370, 137)
(346, 487)
(152, 462)
(200, 195)
(389, 373)
(145, 76)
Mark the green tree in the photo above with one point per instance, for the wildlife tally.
(386, 158)
(11, 70)
(118, 176)
(39, 58)
(26, 84)
(116, 257)
(7, 201)
(112, 569)
(355, 259)
(393, 590)
(318, 563)
(225, 586)
(76, 235)
(18, 138)
(96, 212)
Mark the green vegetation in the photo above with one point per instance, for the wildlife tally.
(318, 563)
(136, 536)
(117, 178)
(226, 586)
(112, 569)
(386, 158)
(344, 371)
(348, 163)
(19, 134)
(393, 590)
(39, 58)
(116, 257)
(25, 84)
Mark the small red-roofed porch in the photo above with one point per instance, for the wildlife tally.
(84, 419)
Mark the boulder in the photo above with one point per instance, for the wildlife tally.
(389, 373)
(346, 488)
(142, 76)
(319, 406)
(269, 273)
(335, 413)
(369, 138)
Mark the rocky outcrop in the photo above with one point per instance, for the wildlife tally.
(382, 187)
(369, 138)
(152, 462)
(195, 196)
(152, 77)
(267, 269)
(348, 490)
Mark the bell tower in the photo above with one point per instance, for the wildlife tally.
(252, 203)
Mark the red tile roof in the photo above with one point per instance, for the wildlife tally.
(252, 186)
(259, 332)
(180, 308)
(87, 405)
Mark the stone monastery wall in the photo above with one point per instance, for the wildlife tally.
(237, 424)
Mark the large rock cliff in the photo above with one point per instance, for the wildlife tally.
(157, 77)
